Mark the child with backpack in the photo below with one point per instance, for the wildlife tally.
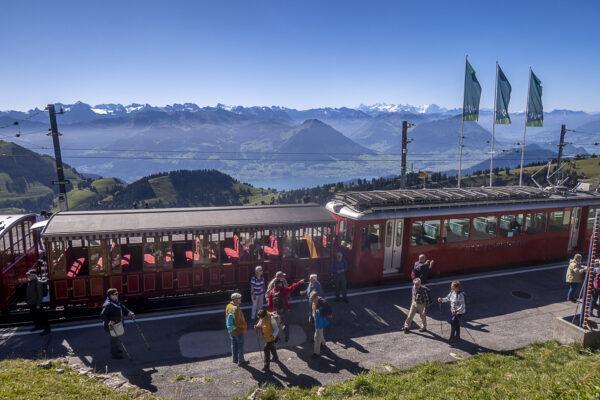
(268, 326)
(321, 312)
(456, 297)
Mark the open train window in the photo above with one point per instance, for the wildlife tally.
(425, 232)
(511, 225)
(484, 227)
(536, 223)
(58, 264)
(97, 261)
(205, 249)
(372, 237)
(132, 254)
(456, 229)
(559, 221)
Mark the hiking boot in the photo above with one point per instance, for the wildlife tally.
(266, 368)
(405, 330)
(452, 340)
(241, 364)
(315, 355)
(423, 329)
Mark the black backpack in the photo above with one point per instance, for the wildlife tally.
(278, 302)
(326, 308)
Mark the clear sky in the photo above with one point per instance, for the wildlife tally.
(299, 54)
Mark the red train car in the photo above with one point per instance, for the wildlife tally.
(166, 252)
(382, 233)
(18, 254)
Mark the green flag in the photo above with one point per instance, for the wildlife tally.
(535, 111)
(503, 90)
(472, 95)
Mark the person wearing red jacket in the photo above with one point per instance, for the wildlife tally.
(278, 302)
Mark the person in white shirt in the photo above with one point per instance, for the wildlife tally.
(457, 307)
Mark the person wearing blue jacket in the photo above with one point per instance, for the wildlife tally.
(338, 270)
(321, 323)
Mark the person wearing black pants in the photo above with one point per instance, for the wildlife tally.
(268, 327)
(34, 297)
(457, 308)
(112, 314)
(338, 270)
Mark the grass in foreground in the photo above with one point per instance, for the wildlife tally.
(539, 371)
(22, 379)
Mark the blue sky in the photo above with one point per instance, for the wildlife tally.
(299, 54)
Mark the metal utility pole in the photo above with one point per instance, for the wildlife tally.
(404, 151)
(561, 144)
(405, 141)
(62, 191)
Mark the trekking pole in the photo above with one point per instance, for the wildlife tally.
(259, 350)
(469, 333)
(139, 329)
(441, 324)
(121, 343)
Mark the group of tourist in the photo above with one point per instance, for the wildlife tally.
(271, 322)
(576, 273)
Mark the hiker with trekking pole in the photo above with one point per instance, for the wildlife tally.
(112, 315)
(456, 297)
(278, 302)
(268, 327)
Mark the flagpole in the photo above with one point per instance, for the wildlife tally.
(525, 131)
(494, 127)
(462, 125)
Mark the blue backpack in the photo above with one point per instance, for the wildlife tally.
(229, 322)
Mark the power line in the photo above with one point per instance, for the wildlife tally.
(17, 122)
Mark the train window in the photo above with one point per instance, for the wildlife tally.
(17, 241)
(321, 238)
(205, 249)
(96, 256)
(536, 223)
(372, 237)
(58, 263)
(389, 226)
(116, 261)
(484, 227)
(559, 221)
(592, 218)
(270, 245)
(132, 254)
(76, 255)
(425, 232)
(290, 244)
(456, 229)
(157, 252)
(511, 225)
(27, 236)
(346, 234)
(4, 253)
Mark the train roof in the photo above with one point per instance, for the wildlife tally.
(414, 202)
(8, 220)
(112, 223)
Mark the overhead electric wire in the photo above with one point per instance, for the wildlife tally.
(17, 122)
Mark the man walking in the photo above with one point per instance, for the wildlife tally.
(278, 302)
(34, 296)
(313, 286)
(257, 290)
(321, 322)
(269, 329)
(236, 326)
(419, 299)
(457, 308)
(112, 314)
(422, 269)
(575, 275)
(338, 269)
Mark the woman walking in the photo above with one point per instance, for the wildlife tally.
(457, 308)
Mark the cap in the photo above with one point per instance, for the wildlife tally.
(258, 268)
(32, 272)
(280, 273)
(236, 296)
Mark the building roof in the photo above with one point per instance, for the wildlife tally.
(181, 220)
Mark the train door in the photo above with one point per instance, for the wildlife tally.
(394, 229)
(574, 234)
